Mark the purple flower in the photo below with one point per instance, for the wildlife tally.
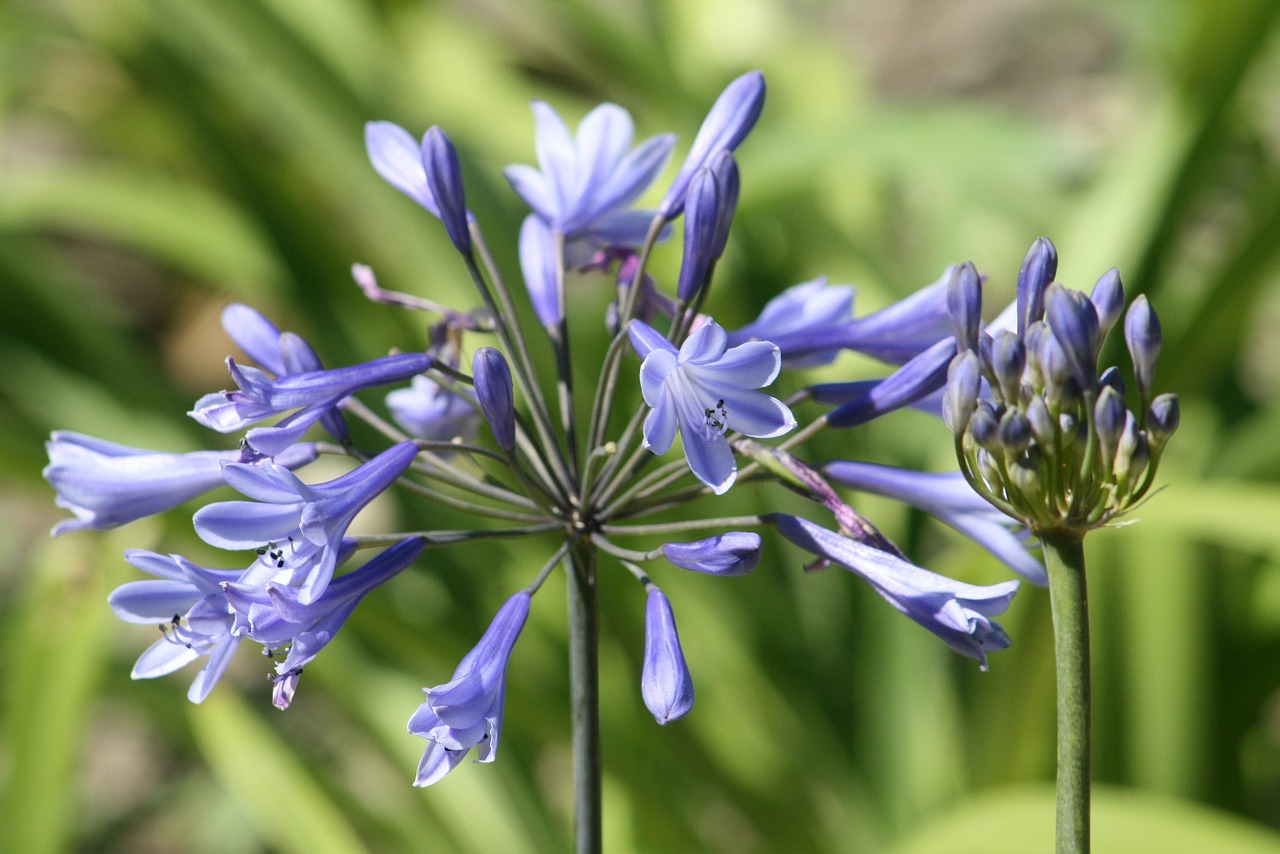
(188, 604)
(584, 187)
(730, 119)
(956, 612)
(495, 393)
(305, 522)
(540, 267)
(734, 553)
(466, 712)
(947, 497)
(811, 323)
(309, 395)
(1038, 270)
(279, 353)
(1143, 338)
(704, 389)
(665, 682)
(713, 198)
(398, 159)
(444, 179)
(272, 616)
(428, 410)
(105, 484)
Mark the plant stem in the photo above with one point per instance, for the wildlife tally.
(584, 686)
(1064, 560)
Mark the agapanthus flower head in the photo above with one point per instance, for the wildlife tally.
(665, 683)
(584, 186)
(704, 389)
(1057, 446)
(466, 712)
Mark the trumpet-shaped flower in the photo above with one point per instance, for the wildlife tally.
(311, 393)
(958, 613)
(466, 712)
(311, 519)
(186, 601)
(948, 497)
(105, 484)
(272, 616)
(584, 186)
(703, 390)
(428, 410)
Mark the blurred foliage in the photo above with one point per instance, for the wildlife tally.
(161, 157)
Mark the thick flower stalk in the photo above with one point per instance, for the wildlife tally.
(598, 497)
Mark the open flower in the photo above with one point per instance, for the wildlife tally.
(948, 497)
(467, 711)
(584, 186)
(704, 389)
(311, 519)
(958, 613)
(186, 601)
(105, 484)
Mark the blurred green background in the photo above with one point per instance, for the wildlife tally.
(159, 158)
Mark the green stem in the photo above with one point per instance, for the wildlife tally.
(584, 688)
(1064, 559)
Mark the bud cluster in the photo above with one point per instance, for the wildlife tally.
(1041, 432)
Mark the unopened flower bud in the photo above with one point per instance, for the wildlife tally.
(1142, 335)
(964, 304)
(1163, 418)
(1108, 301)
(1111, 377)
(1074, 322)
(731, 554)
(496, 396)
(1038, 270)
(1026, 476)
(1109, 416)
(964, 381)
(1014, 432)
(444, 177)
(665, 682)
(984, 428)
(1043, 427)
(1008, 358)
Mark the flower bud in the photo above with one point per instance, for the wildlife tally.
(1043, 427)
(1008, 358)
(1075, 324)
(709, 207)
(726, 125)
(983, 427)
(1038, 270)
(963, 384)
(1109, 417)
(1014, 432)
(1163, 418)
(444, 177)
(1111, 377)
(496, 396)
(964, 304)
(730, 554)
(1108, 301)
(665, 682)
(1142, 335)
